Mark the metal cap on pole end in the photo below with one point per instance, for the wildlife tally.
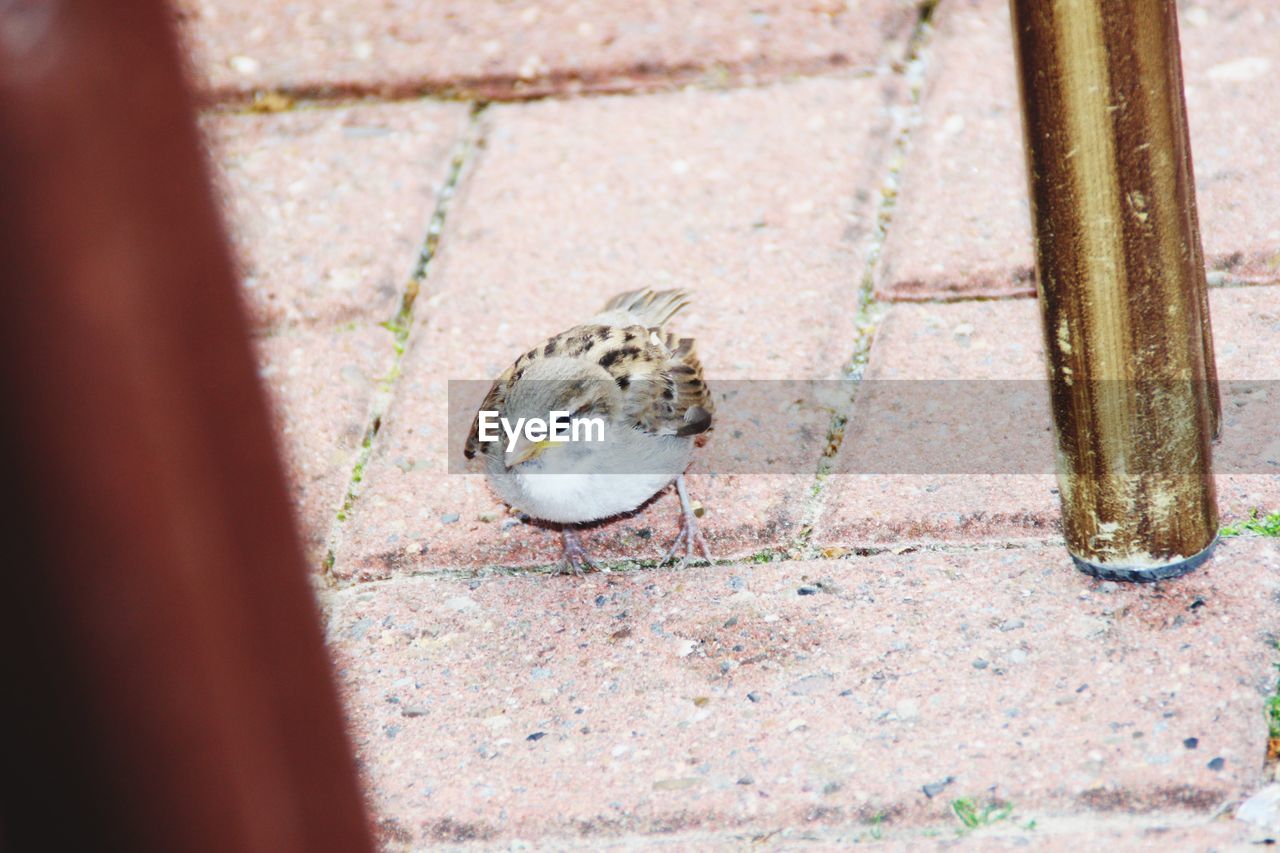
(1145, 574)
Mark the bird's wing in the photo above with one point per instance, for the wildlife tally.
(661, 380)
(658, 372)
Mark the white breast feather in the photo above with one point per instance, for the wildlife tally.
(616, 477)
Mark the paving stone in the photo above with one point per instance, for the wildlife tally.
(1174, 831)
(1141, 832)
(329, 207)
(492, 49)
(868, 505)
(1230, 58)
(962, 224)
(717, 698)
(322, 384)
(759, 201)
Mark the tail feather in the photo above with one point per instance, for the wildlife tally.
(651, 308)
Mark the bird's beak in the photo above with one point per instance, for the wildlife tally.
(530, 451)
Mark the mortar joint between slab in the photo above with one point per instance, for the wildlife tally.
(1218, 280)
(510, 89)
(869, 310)
(401, 326)
(625, 568)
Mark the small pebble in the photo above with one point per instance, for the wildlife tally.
(846, 692)
(980, 664)
(1217, 763)
(449, 518)
(933, 789)
(413, 711)
(754, 697)
(487, 517)
(746, 780)
(244, 64)
(1012, 624)
(536, 736)
(1191, 742)
(461, 603)
(508, 523)
(807, 590)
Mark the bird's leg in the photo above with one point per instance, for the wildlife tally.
(575, 556)
(689, 534)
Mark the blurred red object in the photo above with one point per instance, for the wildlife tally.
(165, 682)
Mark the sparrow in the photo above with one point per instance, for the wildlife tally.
(630, 383)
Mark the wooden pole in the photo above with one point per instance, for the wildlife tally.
(166, 684)
(1121, 282)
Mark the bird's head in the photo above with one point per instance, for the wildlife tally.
(582, 389)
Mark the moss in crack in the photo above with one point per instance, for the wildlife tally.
(400, 334)
(1259, 525)
(869, 312)
(357, 470)
(401, 325)
(877, 830)
(1272, 711)
(974, 816)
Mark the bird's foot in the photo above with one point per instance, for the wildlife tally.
(689, 536)
(575, 556)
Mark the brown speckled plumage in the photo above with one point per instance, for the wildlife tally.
(654, 407)
(659, 371)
